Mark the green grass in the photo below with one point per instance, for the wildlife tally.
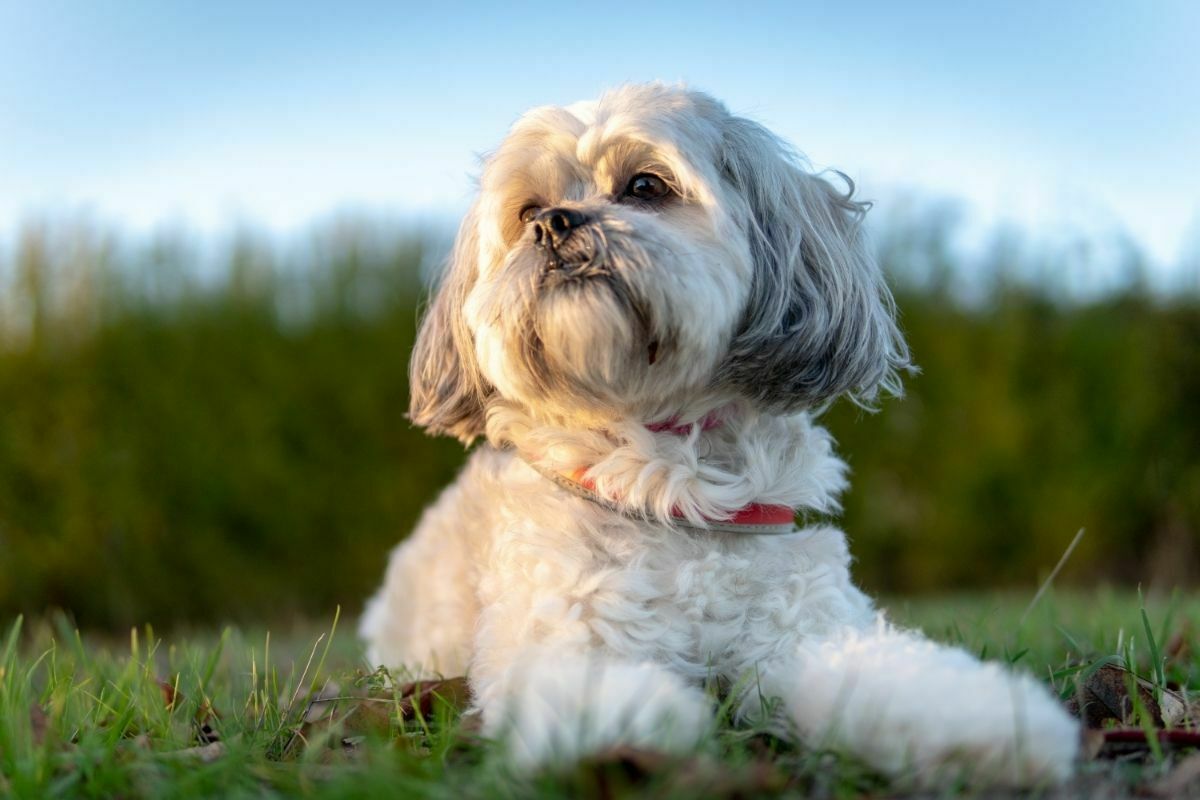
(84, 717)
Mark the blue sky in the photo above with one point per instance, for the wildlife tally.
(1058, 117)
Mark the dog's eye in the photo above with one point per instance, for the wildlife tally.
(647, 186)
(528, 213)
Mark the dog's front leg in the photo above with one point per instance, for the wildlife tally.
(552, 699)
(911, 707)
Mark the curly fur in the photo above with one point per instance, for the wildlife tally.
(748, 294)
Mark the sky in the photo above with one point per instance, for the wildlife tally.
(1051, 116)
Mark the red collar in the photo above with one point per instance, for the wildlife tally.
(756, 518)
(712, 419)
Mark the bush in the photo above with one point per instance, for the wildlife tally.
(193, 432)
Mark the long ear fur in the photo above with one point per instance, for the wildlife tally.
(447, 388)
(820, 322)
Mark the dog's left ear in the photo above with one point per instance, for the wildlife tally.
(820, 322)
(447, 390)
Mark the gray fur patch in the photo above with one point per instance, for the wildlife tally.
(820, 322)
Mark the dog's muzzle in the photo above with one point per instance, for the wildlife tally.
(560, 234)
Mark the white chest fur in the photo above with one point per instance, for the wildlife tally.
(563, 569)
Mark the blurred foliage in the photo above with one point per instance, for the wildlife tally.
(192, 432)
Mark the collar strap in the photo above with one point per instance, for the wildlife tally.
(712, 419)
(756, 518)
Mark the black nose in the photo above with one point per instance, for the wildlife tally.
(553, 226)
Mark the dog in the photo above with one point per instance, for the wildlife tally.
(646, 307)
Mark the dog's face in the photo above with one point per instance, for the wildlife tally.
(644, 253)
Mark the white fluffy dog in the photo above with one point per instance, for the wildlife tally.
(644, 307)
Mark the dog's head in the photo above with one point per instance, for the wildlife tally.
(649, 252)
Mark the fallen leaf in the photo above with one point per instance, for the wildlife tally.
(1103, 698)
(206, 715)
(376, 714)
(370, 717)
(1173, 710)
(421, 696)
(39, 723)
(170, 694)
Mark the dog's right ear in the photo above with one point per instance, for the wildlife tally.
(820, 322)
(447, 389)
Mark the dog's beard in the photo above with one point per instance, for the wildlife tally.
(573, 323)
(628, 313)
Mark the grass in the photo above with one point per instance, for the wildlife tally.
(84, 716)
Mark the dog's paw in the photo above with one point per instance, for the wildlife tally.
(1026, 739)
(910, 707)
(560, 710)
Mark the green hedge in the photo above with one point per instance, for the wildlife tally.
(191, 432)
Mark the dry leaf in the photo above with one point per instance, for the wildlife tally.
(421, 696)
(39, 723)
(376, 714)
(1173, 710)
(369, 718)
(170, 695)
(206, 715)
(1103, 698)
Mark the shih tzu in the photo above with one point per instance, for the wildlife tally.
(644, 308)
